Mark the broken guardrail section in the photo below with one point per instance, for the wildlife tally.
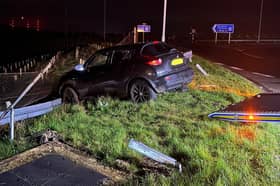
(260, 108)
(30, 111)
(247, 117)
(153, 154)
(188, 55)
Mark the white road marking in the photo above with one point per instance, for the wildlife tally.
(252, 56)
(219, 64)
(264, 75)
(239, 50)
(235, 68)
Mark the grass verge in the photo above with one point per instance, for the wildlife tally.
(211, 151)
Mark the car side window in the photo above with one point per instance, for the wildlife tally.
(98, 60)
(121, 56)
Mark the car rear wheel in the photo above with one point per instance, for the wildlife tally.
(69, 95)
(140, 91)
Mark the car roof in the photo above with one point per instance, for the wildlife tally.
(130, 46)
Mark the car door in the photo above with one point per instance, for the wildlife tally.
(97, 71)
(118, 70)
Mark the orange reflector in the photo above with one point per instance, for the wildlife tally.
(251, 117)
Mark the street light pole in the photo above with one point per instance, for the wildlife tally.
(260, 22)
(104, 23)
(164, 21)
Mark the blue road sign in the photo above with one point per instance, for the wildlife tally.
(143, 28)
(223, 28)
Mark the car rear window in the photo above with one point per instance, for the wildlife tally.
(155, 49)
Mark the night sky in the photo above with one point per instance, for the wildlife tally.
(122, 15)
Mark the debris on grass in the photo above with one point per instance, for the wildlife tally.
(150, 166)
(48, 136)
(153, 154)
(122, 165)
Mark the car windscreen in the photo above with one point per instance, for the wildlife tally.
(155, 49)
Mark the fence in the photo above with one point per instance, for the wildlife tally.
(11, 85)
(27, 65)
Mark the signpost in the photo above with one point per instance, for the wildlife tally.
(143, 28)
(223, 28)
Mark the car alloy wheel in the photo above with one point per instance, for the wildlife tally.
(69, 95)
(140, 91)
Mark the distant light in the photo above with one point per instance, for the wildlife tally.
(12, 23)
(27, 25)
(38, 25)
(251, 117)
(22, 18)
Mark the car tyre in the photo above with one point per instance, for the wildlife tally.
(140, 91)
(69, 95)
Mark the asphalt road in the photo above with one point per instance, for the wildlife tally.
(259, 63)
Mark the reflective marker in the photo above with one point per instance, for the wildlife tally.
(247, 117)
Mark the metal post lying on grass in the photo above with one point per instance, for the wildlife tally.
(153, 154)
(201, 70)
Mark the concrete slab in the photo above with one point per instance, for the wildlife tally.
(52, 169)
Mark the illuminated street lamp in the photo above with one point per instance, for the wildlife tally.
(260, 23)
(164, 21)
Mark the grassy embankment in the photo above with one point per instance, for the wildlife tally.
(211, 151)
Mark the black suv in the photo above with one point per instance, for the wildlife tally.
(139, 71)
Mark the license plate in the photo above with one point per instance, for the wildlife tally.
(177, 61)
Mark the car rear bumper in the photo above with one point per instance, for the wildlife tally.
(173, 81)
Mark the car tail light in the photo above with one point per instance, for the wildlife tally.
(155, 62)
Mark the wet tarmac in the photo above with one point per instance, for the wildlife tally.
(51, 170)
(258, 63)
(263, 59)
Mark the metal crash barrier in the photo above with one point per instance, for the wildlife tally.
(260, 108)
(11, 108)
(247, 117)
(29, 111)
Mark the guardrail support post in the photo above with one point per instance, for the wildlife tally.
(12, 122)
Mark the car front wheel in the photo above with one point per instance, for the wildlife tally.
(69, 95)
(141, 91)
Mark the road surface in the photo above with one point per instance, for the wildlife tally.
(259, 63)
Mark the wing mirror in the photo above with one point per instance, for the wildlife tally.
(80, 68)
